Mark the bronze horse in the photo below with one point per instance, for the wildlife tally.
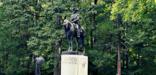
(72, 31)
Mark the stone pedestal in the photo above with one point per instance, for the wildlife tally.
(74, 64)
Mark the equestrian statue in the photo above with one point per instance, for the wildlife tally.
(73, 30)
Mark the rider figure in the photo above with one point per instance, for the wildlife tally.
(75, 20)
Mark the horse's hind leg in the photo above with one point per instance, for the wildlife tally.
(77, 43)
(81, 42)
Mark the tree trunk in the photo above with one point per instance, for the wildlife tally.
(118, 61)
(127, 62)
(93, 27)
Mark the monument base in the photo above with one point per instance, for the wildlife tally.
(73, 63)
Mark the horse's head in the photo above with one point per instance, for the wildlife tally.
(67, 24)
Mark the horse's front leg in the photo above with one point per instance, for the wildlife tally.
(81, 43)
(70, 43)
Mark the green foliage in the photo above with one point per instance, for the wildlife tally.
(28, 28)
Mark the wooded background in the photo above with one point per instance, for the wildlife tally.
(31, 27)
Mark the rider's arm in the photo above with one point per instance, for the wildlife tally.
(75, 19)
